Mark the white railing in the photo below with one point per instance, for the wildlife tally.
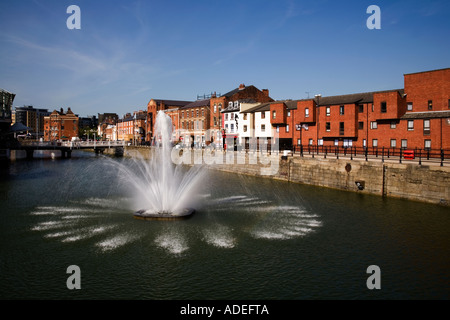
(76, 144)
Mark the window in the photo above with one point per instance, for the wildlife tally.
(311, 142)
(328, 126)
(409, 106)
(245, 116)
(197, 113)
(328, 111)
(226, 127)
(360, 125)
(263, 128)
(230, 104)
(341, 110)
(410, 125)
(203, 112)
(245, 128)
(215, 108)
(289, 113)
(232, 127)
(215, 121)
(427, 144)
(393, 124)
(393, 143)
(263, 115)
(320, 142)
(341, 128)
(203, 125)
(226, 116)
(373, 125)
(299, 142)
(361, 108)
(192, 113)
(232, 116)
(364, 143)
(383, 107)
(375, 143)
(430, 104)
(426, 127)
(336, 142)
(287, 128)
(278, 128)
(307, 113)
(404, 143)
(373, 109)
(449, 103)
(274, 114)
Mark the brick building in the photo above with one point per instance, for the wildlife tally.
(195, 123)
(228, 106)
(156, 105)
(60, 126)
(417, 116)
(131, 128)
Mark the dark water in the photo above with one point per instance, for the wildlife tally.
(250, 239)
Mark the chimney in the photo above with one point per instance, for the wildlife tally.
(62, 111)
(241, 86)
(266, 92)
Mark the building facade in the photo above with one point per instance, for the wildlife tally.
(194, 121)
(131, 128)
(32, 118)
(61, 126)
(155, 105)
(226, 108)
(417, 116)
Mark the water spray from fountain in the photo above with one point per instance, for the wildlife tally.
(165, 190)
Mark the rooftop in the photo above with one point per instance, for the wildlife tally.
(198, 103)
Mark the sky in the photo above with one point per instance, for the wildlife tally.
(128, 52)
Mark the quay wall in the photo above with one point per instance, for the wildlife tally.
(425, 183)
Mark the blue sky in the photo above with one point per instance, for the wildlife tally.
(128, 52)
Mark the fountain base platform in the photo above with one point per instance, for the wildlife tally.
(165, 216)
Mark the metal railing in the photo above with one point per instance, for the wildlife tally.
(401, 155)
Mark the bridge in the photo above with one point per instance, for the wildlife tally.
(66, 148)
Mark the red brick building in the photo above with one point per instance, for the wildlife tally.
(156, 105)
(417, 116)
(131, 128)
(194, 122)
(227, 101)
(60, 126)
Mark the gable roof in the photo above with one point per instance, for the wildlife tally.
(198, 103)
(175, 103)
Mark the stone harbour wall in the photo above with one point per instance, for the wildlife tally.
(407, 181)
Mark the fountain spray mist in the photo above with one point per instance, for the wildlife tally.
(161, 187)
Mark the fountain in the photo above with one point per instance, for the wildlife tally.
(165, 191)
